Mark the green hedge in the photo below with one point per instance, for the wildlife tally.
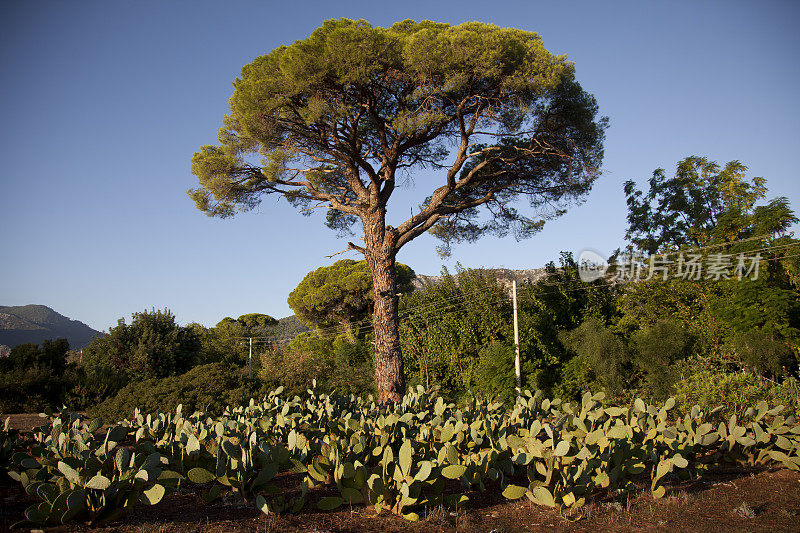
(208, 387)
(735, 392)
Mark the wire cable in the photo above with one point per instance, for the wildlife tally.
(423, 311)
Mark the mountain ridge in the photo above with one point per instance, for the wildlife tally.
(504, 276)
(20, 324)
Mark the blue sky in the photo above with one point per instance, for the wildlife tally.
(103, 104)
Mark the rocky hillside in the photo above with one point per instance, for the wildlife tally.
(504, 275)
(35, 323)
(286, 329)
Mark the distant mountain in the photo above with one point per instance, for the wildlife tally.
(35, 323)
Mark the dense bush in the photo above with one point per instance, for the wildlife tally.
(36, 377)
(87, 388)
(32, 377)
(336, 363)
(227, 342)
(352, 369)
(446, 325)
(734, 392)
(604, 353)
(208, 387)
(576, 378)
(457, 333)
(657, 350)
(153, 345)
(496, 375)
(765, 353)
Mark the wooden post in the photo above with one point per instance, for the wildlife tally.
(250, 360)
(427, 351)
(516, 339)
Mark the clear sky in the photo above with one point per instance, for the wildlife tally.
(103, 103)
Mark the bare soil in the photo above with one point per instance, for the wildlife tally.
(727, 499)
(24, 421)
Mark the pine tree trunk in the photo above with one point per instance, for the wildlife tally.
(389, 378)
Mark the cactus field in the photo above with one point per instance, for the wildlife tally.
(320, 453)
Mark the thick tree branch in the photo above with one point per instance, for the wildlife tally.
(350, 246)
(442, 212)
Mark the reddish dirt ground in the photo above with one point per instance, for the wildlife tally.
(24, 421)
(730, 499)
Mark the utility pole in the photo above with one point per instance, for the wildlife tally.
(516, 339)
(427, 352)
(250, 357)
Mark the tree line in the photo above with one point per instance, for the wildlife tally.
(707, 341)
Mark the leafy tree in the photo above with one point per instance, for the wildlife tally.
(694, 304)
(702, 204)
(337, 117)
(559, 302)
(341, 293)
(50, 354)
(657, 349)
(337, 363)
(765, 324)
(153, 345)
(446, 326)
(496, 371)
(287, 328)
(601, 352)
(256, 323)
(755, 304)
(227, 341)
(32, 376)
(708, 205)
(224, 343)
(458, 333)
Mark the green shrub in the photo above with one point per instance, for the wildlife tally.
(30, 390)
(86, 388)
(765, 353)
(32, 377)
(734, 391)
(577, 377)
(353, 368)
(209, 387)
(495, 373)
(336, 363)
(656, 350)
(152, 346)
(604, 352)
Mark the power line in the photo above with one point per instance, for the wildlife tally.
(763, 249)
(366, 322)
(755, 237)
(689, 250)
(456, 297)
(414, 313)
(416, 317)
